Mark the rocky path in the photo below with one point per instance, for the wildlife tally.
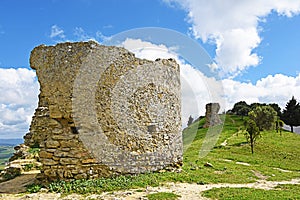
(185, 190)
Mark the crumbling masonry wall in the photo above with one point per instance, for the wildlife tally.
(211, 115)
(103, 112)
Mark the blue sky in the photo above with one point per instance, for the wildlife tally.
(255, 45)
(26, 24)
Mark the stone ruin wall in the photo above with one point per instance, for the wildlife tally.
(104, 112)
(211, 115)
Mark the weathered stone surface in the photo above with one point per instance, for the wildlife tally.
(52, 144)
(49, 162)
(50, 173)
(102, 111)
(68, 143)
(68, 161)
(89, 161)
(61, 154)
(45, 154)
(21, 152)
(211, 114)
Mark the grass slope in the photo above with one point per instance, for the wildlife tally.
(272, 154)
(281, 192)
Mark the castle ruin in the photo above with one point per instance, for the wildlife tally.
(104, 112)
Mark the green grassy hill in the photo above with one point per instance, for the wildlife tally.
(234, 163)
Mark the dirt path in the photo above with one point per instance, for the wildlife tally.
(185, 190)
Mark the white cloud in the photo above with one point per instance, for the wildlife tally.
(147, 50)
(79, 34)
(271, 89)
(233, 26)
(57, 32)
(82, 35)
(19, 95)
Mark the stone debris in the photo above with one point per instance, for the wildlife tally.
(207, 164)
(22, 162)
(243, 163)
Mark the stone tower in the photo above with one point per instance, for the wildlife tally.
(103, 112)
(211, 114)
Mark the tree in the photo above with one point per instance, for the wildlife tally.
(241, 108)
(263, 116)
(252, 133)
(291, 114)
(254, 105)
(276, 107)
(279, 124)
(190, 121)
(243, 111)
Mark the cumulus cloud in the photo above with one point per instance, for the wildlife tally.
(57, 32)
(148, 50)
(19, 95)
(233, 26)
(271, 89)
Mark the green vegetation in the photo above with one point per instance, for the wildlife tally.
(282, 192)
(291, 114)
(241, 108)
(163, 196)
(34, 150)
(28, 167)
(105, 184)
(260, 118)
(252, 133)
(273, 153)
(264, 117)
(33, 188)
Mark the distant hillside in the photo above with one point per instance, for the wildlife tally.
(10, 142)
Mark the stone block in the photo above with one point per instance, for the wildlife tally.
(45, 154)
(48, 162)
(55, 113)
(52, 144)
(68, 161)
